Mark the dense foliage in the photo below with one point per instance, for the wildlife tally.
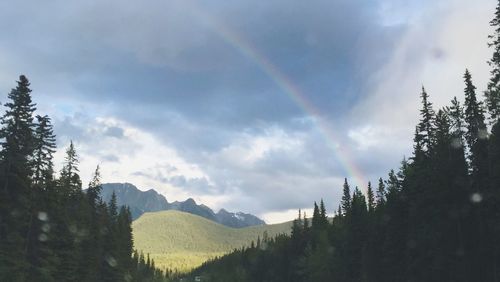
(50, 230)
(194, 239)
(436, 219)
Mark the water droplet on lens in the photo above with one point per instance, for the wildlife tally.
(111, 261)
(43, 237)
(73, 229)
(476, 198)
(43, 216)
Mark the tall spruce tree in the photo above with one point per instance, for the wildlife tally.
(16, 140)
(456, 115)
(70, 180)
(371, 198)
(322, 214)
(346, 198)
(316, 216)
(381, 192)
(425, 128)
(476, 135)
(45, 144)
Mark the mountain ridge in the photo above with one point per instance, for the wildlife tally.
(150, 200)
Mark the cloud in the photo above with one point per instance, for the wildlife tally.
(444, 40)
(187, 97)
(114, 131)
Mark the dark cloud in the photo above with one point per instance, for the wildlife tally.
(124, 54)
(199, 76)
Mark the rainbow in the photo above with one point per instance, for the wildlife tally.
(342, 153)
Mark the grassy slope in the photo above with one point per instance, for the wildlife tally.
(179, 240)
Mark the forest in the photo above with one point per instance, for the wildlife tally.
(51, 229)
(436, 218)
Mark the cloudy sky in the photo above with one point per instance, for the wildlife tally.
(256, 106)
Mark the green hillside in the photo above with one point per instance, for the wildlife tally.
(179, 240)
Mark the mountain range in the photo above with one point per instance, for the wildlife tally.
(140, 202)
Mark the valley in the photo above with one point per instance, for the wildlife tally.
(181, 241)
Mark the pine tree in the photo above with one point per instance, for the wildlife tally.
(110, 268)
(371, 198)
(474, 114)
(392, 183)
(40, 255)
(16, 137)
(70, 179)
(92, 245)
(316, 216)
(113, 208)
(456, 115)
(346, 198)
(493, 92)
(124, 239)
(68, 216)
(425, 129)
(322, 213)
(94, 189)
(296, 226)
(476, 135)
(306, 222)
(380, 193)
(449, 182)
(45, 144)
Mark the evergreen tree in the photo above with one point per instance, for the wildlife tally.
(45, 144)
(316, 216)
(113, 208)
(296, 227)
(371, 198)
(124, 240)
(380, 192)
(94, 189)
(493, 92)
(306, 222)
(346, 198)
(323, 219)
(456, 115)
(392, 183)
(476, 134)
(16, 140)
(425, 129)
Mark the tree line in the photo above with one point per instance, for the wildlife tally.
(437, 218)
(50, 229)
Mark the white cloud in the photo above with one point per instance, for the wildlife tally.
(137, 151)
(434, 52)
(286, 215)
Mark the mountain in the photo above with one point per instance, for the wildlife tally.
(151, 201)
(238, 219)
(179, 240)
(138, 201)
(190, 206)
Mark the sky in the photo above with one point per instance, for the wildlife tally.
(255, 106)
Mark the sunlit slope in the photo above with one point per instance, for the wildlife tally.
(179, 240)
